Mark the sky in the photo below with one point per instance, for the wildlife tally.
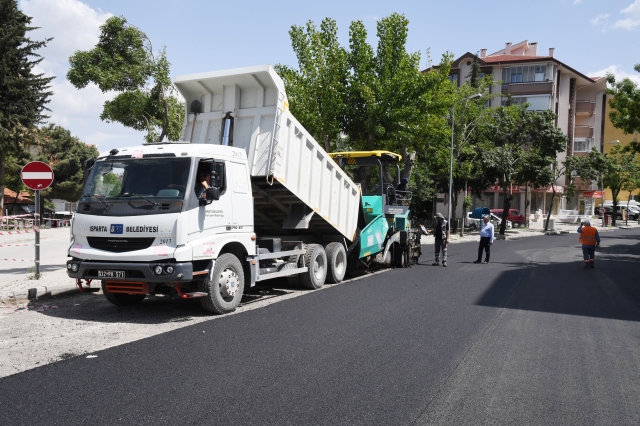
(591, 36)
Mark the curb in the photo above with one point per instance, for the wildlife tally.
(37, 293)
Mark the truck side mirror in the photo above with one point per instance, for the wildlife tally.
(213, 193)
(86, 168)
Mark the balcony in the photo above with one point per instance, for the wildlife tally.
(585, 108)
(583, 132)
(529, 88)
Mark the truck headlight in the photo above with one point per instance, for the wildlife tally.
(74, 267)
(168, 269)
(158, 270)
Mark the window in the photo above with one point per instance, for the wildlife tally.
(453, 78)
(582, 144)
(536, 103)
(524, 74)
(122, 179)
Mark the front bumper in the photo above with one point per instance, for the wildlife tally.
(139, 271)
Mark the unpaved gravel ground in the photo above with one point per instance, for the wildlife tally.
(43, 332)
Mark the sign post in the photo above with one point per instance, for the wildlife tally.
(37, 176)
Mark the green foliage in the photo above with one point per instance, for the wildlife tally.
(525, 146)
(475, 73)
(361, 98)
(14, 164)
(23, 94)
(65, 154)
(316, 91)
(112, 182)
(123, 61)
(625, 105)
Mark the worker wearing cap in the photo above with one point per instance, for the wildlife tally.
(590, 240)
(441, 233)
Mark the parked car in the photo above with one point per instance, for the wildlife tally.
(634, 214)
(474, 224)
(514, 216)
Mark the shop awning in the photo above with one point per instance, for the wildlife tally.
(592, 194)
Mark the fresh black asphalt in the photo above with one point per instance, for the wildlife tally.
(530, 338)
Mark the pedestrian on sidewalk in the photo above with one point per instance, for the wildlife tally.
(441, 234)
(590, 240)
(486, 239)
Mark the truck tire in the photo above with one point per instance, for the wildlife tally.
(226, 286)
(316, 260)
(337, 261)
(401, 257)
(121, 299)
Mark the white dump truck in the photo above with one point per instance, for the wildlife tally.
(248, 195)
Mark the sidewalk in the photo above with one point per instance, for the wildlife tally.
(17, 287)
(536, 229)
(17, 283)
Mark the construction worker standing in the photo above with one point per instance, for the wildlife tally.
(590, 240)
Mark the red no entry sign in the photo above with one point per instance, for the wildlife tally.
(37, 175)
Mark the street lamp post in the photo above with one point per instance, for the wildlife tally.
(453, 121)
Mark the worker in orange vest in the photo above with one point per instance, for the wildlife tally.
(590, 240)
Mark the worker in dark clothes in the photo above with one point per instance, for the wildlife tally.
(441, 234)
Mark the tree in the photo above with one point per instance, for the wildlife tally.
(633, 178)
(475, 75)
(625, 104)
(469, 114)
(123, 61)
(619, 170)
(65, 154)
(316, 91)
(392, 105)
(23, 94)
(519, 136)
(376, 99)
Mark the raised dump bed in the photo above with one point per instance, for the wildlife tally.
(297, 187)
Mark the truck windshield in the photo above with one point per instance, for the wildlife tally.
(156, 178)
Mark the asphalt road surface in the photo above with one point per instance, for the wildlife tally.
(531, 338)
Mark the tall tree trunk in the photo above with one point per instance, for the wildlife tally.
(165, 121)
(553, 197)
(3, 155)
(527, 204)
(628, 201)
(409, 160)
(327, 144)
(464, 208)
(614, 195)
(454, 204)
(505, 209)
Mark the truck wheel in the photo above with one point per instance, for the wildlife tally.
(337, 258)
(473, 227)
(401, 257)
(316, 260)
(121, 299)
(225, 287)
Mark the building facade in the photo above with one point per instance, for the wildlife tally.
(522, 75)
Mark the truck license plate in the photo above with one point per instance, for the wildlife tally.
(110, 274)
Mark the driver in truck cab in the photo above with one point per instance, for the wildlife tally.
(202, 182)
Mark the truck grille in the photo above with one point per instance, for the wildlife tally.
(120, 245)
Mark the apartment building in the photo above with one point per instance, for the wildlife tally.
(523, 75)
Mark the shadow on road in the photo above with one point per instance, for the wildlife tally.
(611, 290)
(93, 307)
